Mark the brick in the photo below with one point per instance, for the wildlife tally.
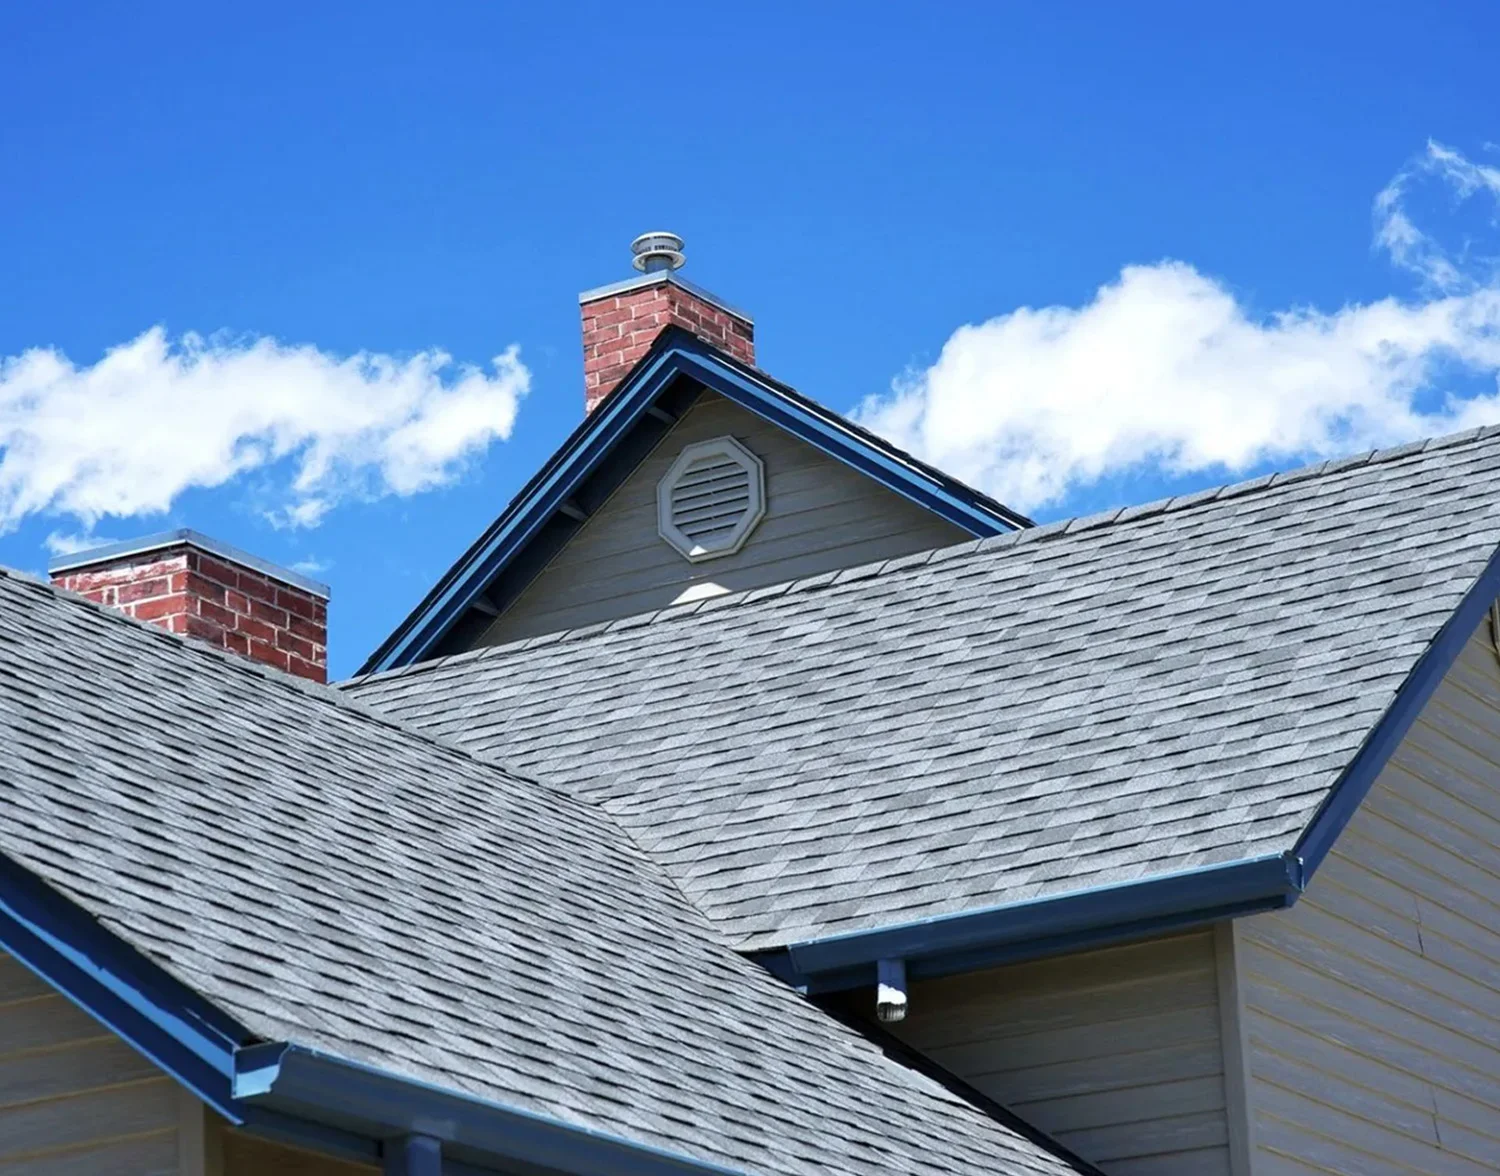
(159, 606)
(256, 630)
(222, 617)
(265, 652)
(269, 613)
(192, 593)
(205, 588)
(609, 352)
(220, 573)
(306, 669)
(309, 630)
(203, 630)
(144, 589)
(257, 587)
(295, 601)
(291, 643)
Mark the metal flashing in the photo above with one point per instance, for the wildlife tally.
(186, 537)
(662, 278)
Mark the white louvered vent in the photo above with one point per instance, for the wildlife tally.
(710, 500)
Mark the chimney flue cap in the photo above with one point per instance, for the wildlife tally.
(657, 251)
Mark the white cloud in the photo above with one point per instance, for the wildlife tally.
(72, 542)
(1412, 249)
(1165, 367)
(155, 416)
(311, 567)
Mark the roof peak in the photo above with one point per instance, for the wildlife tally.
(1041, 533)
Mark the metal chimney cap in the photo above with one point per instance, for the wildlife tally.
(657, 251)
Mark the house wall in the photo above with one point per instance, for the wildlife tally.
(1372, 1007)
(820, 515)
(1116, 1053)
(74, 1099)
(245, 1155)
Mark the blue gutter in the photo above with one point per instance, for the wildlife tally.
(969, 940)
(297, 1081)
(678, 353)
(285, 1091)
(69, 950)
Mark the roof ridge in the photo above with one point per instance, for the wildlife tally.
(328, 693)
(1040, 533)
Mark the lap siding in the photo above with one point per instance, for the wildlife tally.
(1117, 1053)
(73, 1098)
(1373, 1006)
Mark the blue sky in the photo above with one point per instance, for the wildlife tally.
(1188, 199)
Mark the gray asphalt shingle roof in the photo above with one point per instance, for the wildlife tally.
(1111, 698)
(328, 877)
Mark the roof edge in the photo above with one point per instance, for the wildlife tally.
(1351, 788)
(675, 353)
(1095, 917)
(134, 998)
(1030, 533)
(914, 1059)
(280, 1090)
(300, 1082)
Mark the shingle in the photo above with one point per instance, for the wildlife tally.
(329, 876)
(1142, 656)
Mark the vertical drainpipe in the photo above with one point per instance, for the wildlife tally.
(413, 1155)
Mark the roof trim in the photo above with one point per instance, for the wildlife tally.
(165, 1020)
(186, 536)
(281, 1090)
(676, 353)
(1073, 921)
(1351, 788)
(298, 1081)
(1095, 917)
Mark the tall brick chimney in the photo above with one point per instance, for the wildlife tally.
(621, 321)
(187, 583)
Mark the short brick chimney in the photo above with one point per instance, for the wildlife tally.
(187, 583)
(621, 321)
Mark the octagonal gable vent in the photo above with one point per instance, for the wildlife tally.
(710, 499)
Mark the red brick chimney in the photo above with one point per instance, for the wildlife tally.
(621, 321)
(187, 583)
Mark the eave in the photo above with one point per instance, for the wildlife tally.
(1157, 903)
(283, 1090)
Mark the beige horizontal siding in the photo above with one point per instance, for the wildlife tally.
(820, 516)
(1373, 1006)
(246, 1155)
(1116, 1053)
(73, 1098)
